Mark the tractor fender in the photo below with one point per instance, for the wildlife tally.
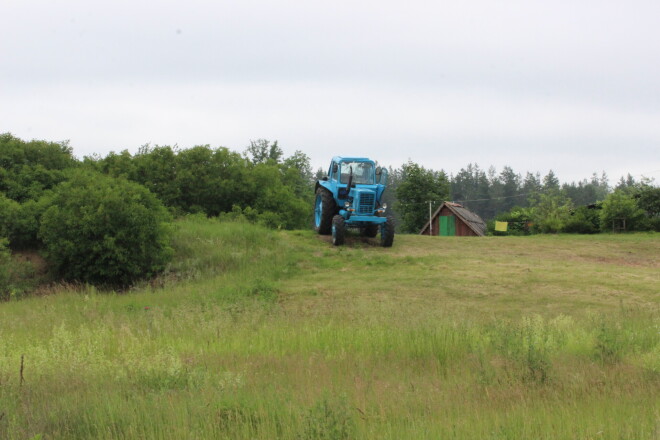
(380, 189)
(324, 184)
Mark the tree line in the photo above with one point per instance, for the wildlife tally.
(260, 184)
(107, 220)
(531, 203)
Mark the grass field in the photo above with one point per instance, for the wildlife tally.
(261, 334)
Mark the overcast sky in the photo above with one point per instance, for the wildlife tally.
(572, 86)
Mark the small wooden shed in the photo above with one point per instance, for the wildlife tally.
(453, 219)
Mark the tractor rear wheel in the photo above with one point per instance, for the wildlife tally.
(387, 232)
(338, 230)
(370, 231)
(324, 209)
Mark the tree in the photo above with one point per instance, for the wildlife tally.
(495, 192)
(626, 184)
(302, 163)
(463, 185)
(418, 186)
(531, 187)
(275, 201)
(587, 192)
(620, 207)
(648, 199)
(389, 196)
(472, 188)
(298, 175)
(482, 202)
(320, 174)
(583, 220)
(118, 165)
(8, 213)
(550, 182)
(262, 150)
(551, 212)
(105, 230)
(510, 188)
(27, 169)
(157, 169)
(210, 180)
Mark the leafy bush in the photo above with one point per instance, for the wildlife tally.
(8, 214)
(648, 199)
(329, 419)
(214, 181)
(583, 221)
(19, 222)
(551, 213)
(104, 230)
(27, 169)
(519, 220)
(16, 277)
(619, 207)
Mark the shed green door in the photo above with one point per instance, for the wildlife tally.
(447, 225)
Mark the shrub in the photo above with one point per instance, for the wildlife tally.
(16, 277)
(610, 343)
(519, 220)
(551, 213)
(583, 221)
(27, 169)
(8, 214)
(19, 222)
(618, 207)
(105, 230)
(329, 419)
(648, 199)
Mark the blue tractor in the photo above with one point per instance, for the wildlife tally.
(350, 197)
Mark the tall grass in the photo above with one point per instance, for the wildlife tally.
(245, 338)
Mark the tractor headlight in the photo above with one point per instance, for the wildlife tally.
(347, 204)
(384, 206)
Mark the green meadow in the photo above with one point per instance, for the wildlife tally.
(259, 334)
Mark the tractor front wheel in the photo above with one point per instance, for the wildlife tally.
(324, 210)
(338, 230)
(387, 232)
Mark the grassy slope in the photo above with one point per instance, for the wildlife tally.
(270, 335)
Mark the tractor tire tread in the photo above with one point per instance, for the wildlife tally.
(329, 209)
(338, 230)
(387, 232)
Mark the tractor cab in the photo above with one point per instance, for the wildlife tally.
(360, 172)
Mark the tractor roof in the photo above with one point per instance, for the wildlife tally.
(350, 159)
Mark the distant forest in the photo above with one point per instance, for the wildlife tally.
(489, 193)
(495, 195)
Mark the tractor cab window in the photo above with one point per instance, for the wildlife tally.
(332, 172)
(363, 172)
